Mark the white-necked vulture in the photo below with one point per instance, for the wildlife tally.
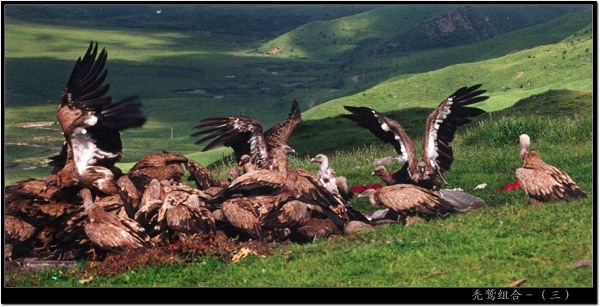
(337, 185)
(246, 137)
(92, 124)
(440, 126)
(409, 200)
(543, 182)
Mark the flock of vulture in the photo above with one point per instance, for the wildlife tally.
(88, 207)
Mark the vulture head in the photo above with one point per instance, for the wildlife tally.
(367, 194)
(379, 171)
(287, 149)
(525, 142)
(422, 170)
(320, 158)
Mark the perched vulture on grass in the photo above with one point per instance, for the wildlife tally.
(441, 124)
(543, 182)
(92, 124)
(246, 137)
(409, 201)
(109, 231)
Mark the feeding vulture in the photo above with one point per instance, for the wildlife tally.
(248, 213)
(337, 185)
(160, 166)
(184, 213)
(543, 182)
(245, 136)
(91, 124)
(110, 231)
(409, 201)
(440, 126)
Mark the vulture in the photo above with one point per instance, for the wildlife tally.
(386, 176)
(305, 186)
(337, 185)
(184, 213)
(150, 204)
(248, 213)
(440, 126)
(409, 201)
(543, 182)
(16, 232)
(246, 137)
(109, 231)
(160, 166)
(92, 123)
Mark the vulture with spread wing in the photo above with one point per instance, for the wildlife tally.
(543, 182)
(246, 137)
(91, 124)
(440, 126)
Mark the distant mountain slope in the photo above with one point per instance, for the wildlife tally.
(267, 20)
(566, 65)
(405, 28)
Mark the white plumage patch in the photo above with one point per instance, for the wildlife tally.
(84, 149)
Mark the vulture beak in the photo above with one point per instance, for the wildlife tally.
(313, 160)
(372, 173)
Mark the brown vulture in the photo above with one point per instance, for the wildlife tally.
(543, 182)
(160, 166)
(246, 137)
(92, 123)
(247, 213)
(184, 213)
(409, 201)
(386, 176)
(305, 186)
(109, 231)
(440, 126)
(16, 232)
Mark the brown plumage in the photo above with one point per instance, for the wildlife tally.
(200, 174)
(130, 194)
(409, 200)
(183, 213)
(16, 233)
(279, 158)
(305, 186)
(150, 204)
(248, 213)
(245, 136)
(91, 124)
(46, 210)
(440, 126)
(285, 218)
(159, 166)
(543, 182)
(112, 232)
(385, 175)
(246, 164)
